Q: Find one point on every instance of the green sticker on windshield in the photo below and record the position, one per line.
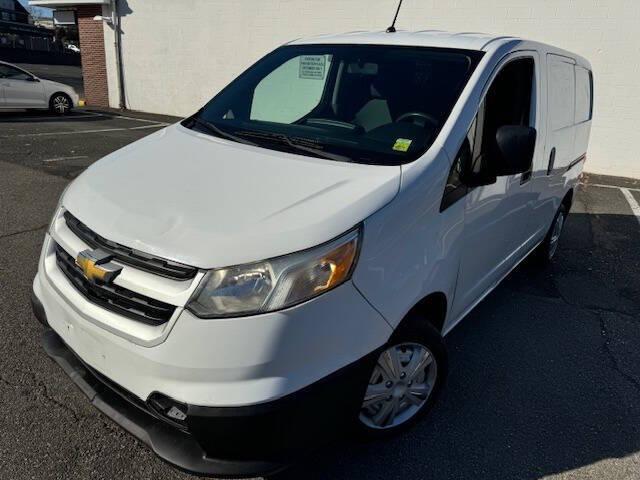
(402, 145)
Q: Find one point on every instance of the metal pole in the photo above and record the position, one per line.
(118, 44)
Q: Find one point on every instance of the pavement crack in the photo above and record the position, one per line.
(612, 358)
(26, 230)
(588, 308)
(55, 401)
(44, 391)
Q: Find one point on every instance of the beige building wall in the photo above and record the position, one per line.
(178, 53)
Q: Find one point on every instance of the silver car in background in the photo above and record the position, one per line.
(21, 89)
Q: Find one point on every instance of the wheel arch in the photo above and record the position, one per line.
(567, 201)
(433, 308)
(58, 92)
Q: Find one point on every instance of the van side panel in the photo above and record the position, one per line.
(548, 183)
(561, 109)
(569, 109)
(583, 111)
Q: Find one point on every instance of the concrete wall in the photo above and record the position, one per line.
(179, 53)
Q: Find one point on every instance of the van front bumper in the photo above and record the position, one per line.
(230, 362)
(224, 441)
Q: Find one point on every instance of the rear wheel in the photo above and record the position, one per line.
(60, 104)
(548, 248)
(405, 381)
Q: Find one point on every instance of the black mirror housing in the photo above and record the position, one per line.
(516, 145)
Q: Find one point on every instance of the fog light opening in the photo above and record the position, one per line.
(168, 409)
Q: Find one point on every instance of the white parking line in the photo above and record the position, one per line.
(124, 117)
(609, 186)
(633, 203)
(138, 119)
(81, 115)
(635, 208)
(78, 132)
(141, 127)
(58, 159)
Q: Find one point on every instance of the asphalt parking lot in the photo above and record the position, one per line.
(544, 376)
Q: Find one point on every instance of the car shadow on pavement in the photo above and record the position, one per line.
(544, 375)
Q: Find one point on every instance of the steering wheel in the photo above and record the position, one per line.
(419, 118)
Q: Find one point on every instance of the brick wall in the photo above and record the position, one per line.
(94, 69)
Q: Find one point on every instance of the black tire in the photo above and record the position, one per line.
(60, 104)
(415, 329)
(549, 246)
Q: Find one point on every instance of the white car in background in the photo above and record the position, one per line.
(73, 48)
(22, 89)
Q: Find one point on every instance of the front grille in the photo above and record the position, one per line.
(113, 297)
(129, 256)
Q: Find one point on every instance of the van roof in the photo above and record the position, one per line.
(422, 38)
(438, 39)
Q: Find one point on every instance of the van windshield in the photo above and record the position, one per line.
(374, 104)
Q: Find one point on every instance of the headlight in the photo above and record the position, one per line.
(58, 211)
(277, 283)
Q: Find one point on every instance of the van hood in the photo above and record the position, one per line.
(210, 202)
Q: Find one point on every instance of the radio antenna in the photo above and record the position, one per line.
(392, 28)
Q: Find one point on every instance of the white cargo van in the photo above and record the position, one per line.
(289, 258)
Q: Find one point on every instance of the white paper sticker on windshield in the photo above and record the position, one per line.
(312, 66)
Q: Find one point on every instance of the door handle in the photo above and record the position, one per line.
(552, 160)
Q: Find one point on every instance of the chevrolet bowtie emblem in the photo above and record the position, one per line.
(97, 265)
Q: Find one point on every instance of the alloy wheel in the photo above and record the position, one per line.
(61, 104)
(554, 240)
(400, 385)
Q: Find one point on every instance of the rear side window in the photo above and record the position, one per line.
(584, 95)
(12, 73)
(561, 92)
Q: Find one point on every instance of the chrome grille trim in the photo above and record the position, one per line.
(113, 297)
(130, 256)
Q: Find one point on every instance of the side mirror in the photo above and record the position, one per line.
(516, 145)
(33, 79)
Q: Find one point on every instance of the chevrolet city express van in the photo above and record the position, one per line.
(284, 263)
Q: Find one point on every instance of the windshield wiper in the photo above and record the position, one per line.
(283, 139)
(212, 128)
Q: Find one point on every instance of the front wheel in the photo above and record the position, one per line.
(405, 381)
(60, 104)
